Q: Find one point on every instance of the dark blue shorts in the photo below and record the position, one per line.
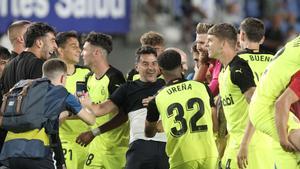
(147, 154)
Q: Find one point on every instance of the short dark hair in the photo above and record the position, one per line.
(4, 53)
(100, 40)
(224, 31)
(14, 28)
(169, 60)
(62, 37)
(152, 38)
(52, 67)
(202, 28)
(144, 50)
(36, 30)
(254, 28)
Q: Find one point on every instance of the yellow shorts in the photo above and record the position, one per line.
(263, 119)
(97, 159)
(205, 163)
(284, 159)
(259, 147)
(75, 154)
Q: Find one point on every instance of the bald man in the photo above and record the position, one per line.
(15, 33)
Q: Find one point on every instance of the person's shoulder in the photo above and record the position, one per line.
(131, 74)
(11, 63)
(81, 67)
(160, 82)
(238, 62)
(29, 58)
(26, 55)
(81, 70)
(113, 72)
(245, 51)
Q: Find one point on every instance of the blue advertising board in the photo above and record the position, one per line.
(109, 16)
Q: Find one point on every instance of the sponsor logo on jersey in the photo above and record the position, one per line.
(227, 100)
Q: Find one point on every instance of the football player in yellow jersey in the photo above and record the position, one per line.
(133, 97)
(263, 111)
(185, 111)
(69, 51)
(107, 150)
(236, 83)
(251, 36)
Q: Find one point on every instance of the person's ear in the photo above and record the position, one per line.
(39, 43)
(62, 78)
(98, 51)
(59, 50)
(262, 40)
(20, 39)
(242, 36)
(222, 44)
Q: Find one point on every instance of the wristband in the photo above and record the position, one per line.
(96, 131)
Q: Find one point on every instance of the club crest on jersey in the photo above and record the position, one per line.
(103, 91)
(227, 101)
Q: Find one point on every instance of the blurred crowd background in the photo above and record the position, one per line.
(177, 19)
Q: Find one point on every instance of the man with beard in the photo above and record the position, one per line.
(206, 64)
(153, 39)
(39, 46)
(132, 97)
(107, 150)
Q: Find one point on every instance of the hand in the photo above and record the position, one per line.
(242, 157)
(287, 145)
(203, 57)
(85, 100)
(146, 101)
(85, 138)
(79, 94)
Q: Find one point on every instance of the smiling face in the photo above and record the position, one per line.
(214, 46)
(147, 67)
(70, 51)
(87, 54)
(201, 42)
(49, 46)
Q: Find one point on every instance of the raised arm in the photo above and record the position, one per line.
(99, 109)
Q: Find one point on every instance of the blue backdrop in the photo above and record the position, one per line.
(109, 16)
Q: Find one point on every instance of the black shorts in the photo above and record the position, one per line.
(147, 154)
(32, 163)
